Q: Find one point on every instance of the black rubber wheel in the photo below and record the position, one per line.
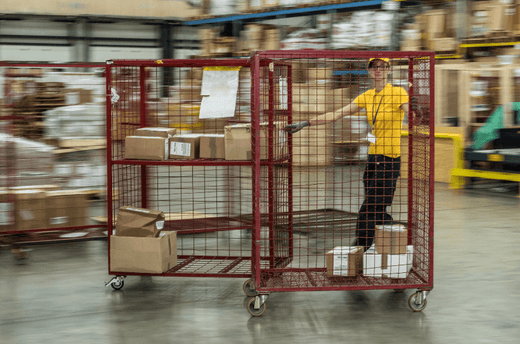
(414, 306)
(118, 284)
(249, 290)
(255, 312)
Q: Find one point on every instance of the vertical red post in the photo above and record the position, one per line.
(108, 90)
(270, 168)
(142, 112)
(255, 153)
(411, 193)
(432, 164)
(290, 160)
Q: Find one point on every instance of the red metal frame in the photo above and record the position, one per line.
(38, 235)
(237, 263)
(301, 277)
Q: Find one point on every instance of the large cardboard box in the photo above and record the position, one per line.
(159, 132)
(143, 255)
(146, 148)
(212, 146)
(443, 44)
(376, 264)
(185, 146)
(344, 261)
(237, 139)
(391, 239)
(139, 222)
(66, 209)
(30, 209)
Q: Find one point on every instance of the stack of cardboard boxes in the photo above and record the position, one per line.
(140, 245)
(390, 256)
(235, 144)
(42, 207)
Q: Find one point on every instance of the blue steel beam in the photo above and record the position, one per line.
(293, 12)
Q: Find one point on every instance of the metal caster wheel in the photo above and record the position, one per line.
(117, 282)
(417, 302)
(255, 312)
(249, 289)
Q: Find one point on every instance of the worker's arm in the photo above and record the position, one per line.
(325, 118)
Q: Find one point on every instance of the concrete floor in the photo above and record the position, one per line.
(59, 296)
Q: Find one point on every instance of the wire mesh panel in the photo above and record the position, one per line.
(359, 174)
(52, 151)
(206, 182)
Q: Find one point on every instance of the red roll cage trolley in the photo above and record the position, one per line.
(278, 217)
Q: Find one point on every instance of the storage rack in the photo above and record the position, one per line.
(212, 204)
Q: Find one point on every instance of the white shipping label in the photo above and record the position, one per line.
(180, 148)
(5, 213)
(341, 264)
(59, 220)
(159, 224)
(26, 215)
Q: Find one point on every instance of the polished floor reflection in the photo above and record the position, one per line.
(58, 295)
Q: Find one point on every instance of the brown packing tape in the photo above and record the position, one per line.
(384, 261)
(213, 146)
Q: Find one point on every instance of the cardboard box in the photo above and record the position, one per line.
(376, 264)
(212, 146)
(391, 239)
(139, 222)
(237, 140)
(143, 255)
(78, 96)
(185, 146)
(30, 212)
(146, 148)
(443, 44)
(66, 209)
(158, 132)
(344, 261)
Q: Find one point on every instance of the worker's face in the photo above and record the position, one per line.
(379, 70)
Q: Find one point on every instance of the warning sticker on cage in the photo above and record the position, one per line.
(180, 148)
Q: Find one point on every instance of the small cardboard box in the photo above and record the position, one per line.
(376, 264)
(158, 132)
(212, 146)
(185, 146)
(145, 255)
(139, 222)
(66, 209)
(237, 140)
(30, 212)
(345, 261)
(146, 148)
(391, 239)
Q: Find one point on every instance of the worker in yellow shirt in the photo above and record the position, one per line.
(386, 106)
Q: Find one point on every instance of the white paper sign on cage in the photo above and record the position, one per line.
(219, 91)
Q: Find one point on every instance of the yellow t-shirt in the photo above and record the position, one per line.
(389, 119)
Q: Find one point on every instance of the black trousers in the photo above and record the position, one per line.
(379, 180)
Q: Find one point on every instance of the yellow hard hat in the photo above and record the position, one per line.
(387, 60)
